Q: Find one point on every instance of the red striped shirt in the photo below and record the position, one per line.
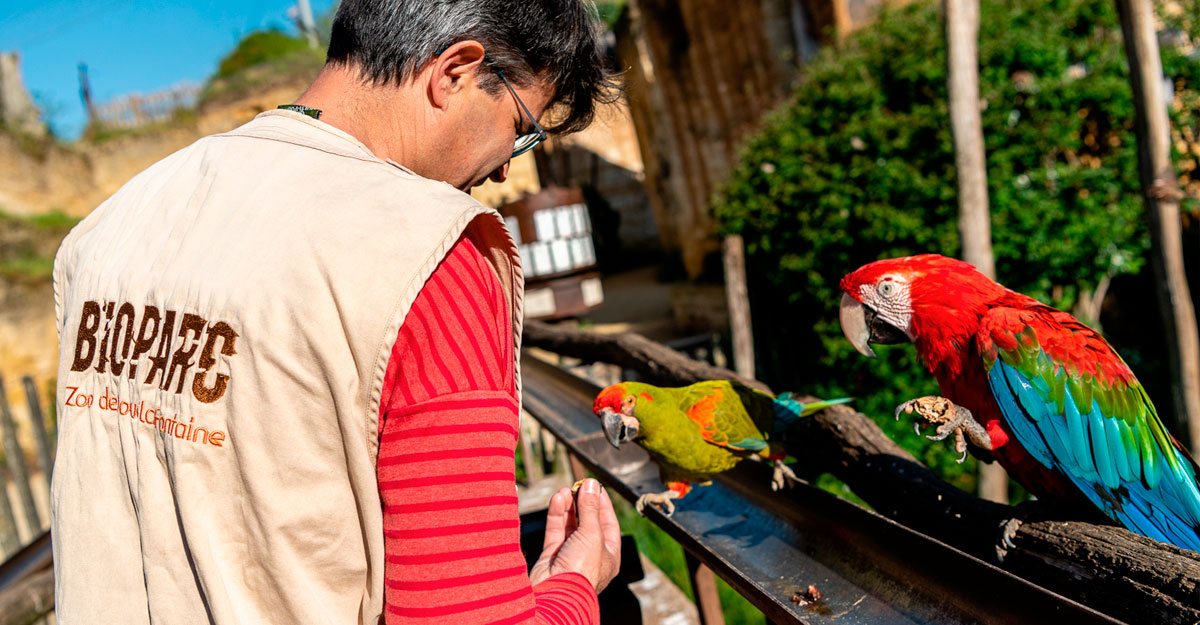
(447, 432)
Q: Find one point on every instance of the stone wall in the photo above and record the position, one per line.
(17, 110)
(41, 176)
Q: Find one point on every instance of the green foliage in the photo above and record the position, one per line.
(28, 244)
(26, 266)
(37, 146)
(859, 166)
(54, 221)
(1181, 61)
(262, 58)
(609, 11)
(259, 47)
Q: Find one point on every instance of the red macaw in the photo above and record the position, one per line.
(1048, 396)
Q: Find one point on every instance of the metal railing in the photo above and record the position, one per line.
(771, 546)
(768, 546)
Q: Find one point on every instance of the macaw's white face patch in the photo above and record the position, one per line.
(891, 299)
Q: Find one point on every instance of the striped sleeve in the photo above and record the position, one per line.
(448, 431)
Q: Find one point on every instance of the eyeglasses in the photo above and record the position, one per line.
(527, 141)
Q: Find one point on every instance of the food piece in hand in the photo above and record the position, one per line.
(575, 497)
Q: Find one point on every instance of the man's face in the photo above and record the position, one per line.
(482, 132)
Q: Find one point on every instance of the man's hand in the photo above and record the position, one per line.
(582, 536)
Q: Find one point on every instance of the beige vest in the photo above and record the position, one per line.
(225, 320)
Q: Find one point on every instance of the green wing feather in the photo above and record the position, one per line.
(1074, 406)
(717, 408)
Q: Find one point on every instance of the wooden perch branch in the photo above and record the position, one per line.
(1127, 576)
(630, 351)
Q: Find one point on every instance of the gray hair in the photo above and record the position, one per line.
(552, 41)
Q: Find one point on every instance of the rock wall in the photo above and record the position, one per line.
(40, 176)
(17, 110)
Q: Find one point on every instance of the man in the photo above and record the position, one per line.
(288, 380)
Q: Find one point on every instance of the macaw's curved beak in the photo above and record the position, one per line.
(862, 326)
(618, 428)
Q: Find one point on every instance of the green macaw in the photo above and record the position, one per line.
(695, 432)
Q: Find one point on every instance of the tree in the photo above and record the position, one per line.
(860, 165)
(966, 126)
(1160, 192)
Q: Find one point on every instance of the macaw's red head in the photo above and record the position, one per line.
(615, 405)
(916, 298)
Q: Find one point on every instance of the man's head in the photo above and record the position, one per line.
(550, 51)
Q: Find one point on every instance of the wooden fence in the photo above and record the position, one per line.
(134, 109)
(25, 483)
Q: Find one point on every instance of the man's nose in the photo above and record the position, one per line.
(500, 173)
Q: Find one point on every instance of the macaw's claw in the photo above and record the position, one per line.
(783, 476)
(662, 500)
(1008, 530)
(949, 419)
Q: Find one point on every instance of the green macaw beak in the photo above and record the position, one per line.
(862, 326)
(618, 428)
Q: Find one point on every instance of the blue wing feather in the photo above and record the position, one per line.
(1112, 436)
(1035, 410)
(1104, 457)
(749, 443)
(1100, 455)
(1077, 436)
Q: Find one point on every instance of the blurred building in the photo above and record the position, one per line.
(553, 233)
(603, 161)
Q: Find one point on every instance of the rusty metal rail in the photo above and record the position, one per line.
(769, 546)
(27, 583)
(34, 557)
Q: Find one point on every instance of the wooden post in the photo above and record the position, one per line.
(85, 93)
(1160, 191)
(553, 457)
(10, 542)
(138, 106)
(308, 25)
(16, 464)
(40, 435)
(578, 471)
(704, 588)
(738, 299)
(533, 465)
(841, 18)
(974, 221)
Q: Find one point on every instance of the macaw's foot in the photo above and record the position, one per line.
(783, 476)
(1008, 531)
(949, 419)
(662, 500)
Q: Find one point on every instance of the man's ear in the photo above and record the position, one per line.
(452, 69)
